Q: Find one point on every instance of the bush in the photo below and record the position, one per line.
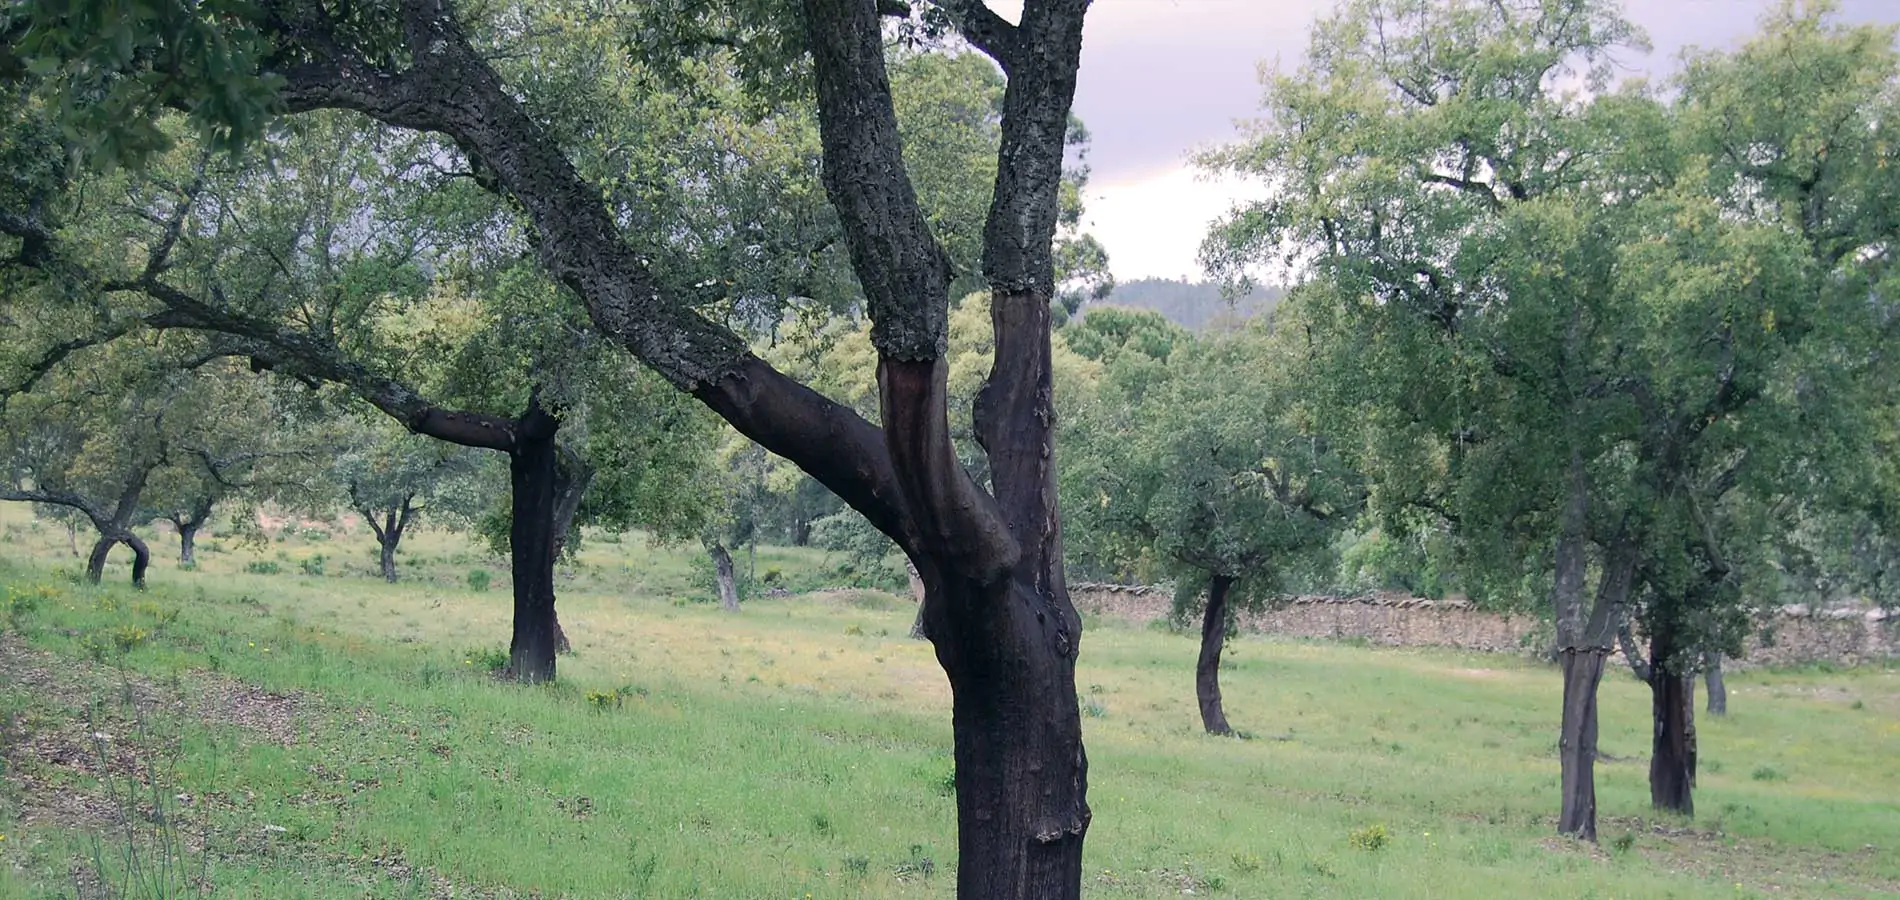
(487, 659)
(1370, 838)
(478, 580)
(262, 567)
(312, 565)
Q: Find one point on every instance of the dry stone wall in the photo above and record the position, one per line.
(1791, 635)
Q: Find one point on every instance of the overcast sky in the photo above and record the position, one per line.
(1161, 78)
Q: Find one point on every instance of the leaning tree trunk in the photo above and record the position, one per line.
(96, 562)
(1207, 669)
(1718, 691)
(1673, 748)
(722, 573)
(534, 468)
(1577, 741)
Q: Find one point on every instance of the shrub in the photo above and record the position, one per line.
(312, 565)
(487, 659)
(478, 580)
(1767, 772)
(262, 567)
(1370, 838)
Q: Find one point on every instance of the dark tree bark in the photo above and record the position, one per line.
(1673, 748)
(1718, 692)
(534, 471)
(1585, 639)
(998, 611)
(723, 576)
(188, 542)
(141, 556)
(1577, 743)
(1207, 669)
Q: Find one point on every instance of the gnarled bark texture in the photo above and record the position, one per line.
(1207, 668)
(998, 610)
(141, 556)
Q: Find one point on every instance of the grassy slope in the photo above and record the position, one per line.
(802, 748)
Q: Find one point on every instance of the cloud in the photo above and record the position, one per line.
(1152, 226)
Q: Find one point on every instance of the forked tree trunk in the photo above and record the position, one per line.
(1672, 706)
(141, 556)
(1718, 691)
(722, 573)
(1577, 741)
(1207, 669)
(534, 468)
(1632, 654)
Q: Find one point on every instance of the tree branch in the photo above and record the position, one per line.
(984, 29)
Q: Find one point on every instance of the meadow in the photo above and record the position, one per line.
(314, 732)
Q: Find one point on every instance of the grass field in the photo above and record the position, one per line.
(333, 736)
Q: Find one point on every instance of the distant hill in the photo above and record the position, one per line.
(1191, 304)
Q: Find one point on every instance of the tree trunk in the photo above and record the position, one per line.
(188, 543)
(1718, 692)
(1577, 741)
(722, 573)
(96, 563)
(1207, 670)
(1021, 772)
(388, 559)
(801, 532)
(1672, 706)
(534, 470)
(141, 558)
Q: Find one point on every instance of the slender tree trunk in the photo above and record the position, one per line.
(1718, 692)
(722, 573)
(1673, 749)
(72, 537)
(534, 470)
(1577, 743)
(188, 542)
(1207, 669)
(388, 559)
(801, 532)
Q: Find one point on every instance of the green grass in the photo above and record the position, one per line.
(803, 747)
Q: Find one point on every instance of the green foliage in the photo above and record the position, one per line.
(312, 565)
(1371, 838)
(263, 567)
(478, 580)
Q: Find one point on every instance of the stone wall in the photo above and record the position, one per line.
(1790, 636)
